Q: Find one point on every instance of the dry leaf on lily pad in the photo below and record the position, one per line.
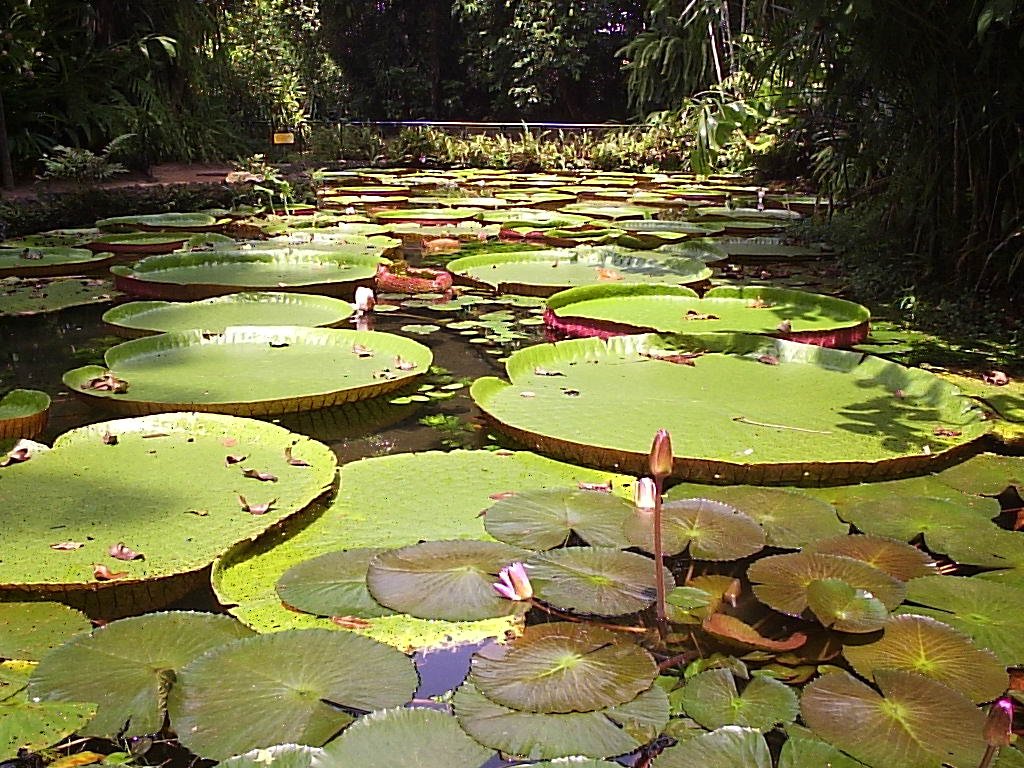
(733, 631)
(256, 474)
(121, 551)
(255, 509)
(101, 572)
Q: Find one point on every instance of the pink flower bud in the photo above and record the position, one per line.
(645, 493)
(660, 459)
(999, 725)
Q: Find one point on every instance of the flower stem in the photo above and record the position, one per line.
(659, 564)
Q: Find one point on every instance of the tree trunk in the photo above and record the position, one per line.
(6, 170)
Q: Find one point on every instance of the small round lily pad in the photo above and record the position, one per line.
(29, 630)
(597, 580)
(711, 530)
(546, 519)
(450, 580)
(333, 584)
(711, 698)
(563, 667)
(293, 686)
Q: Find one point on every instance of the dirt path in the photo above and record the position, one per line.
(165, 173)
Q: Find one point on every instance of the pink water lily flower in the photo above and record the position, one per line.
(514, 584)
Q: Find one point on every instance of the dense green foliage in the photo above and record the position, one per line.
(910, 110)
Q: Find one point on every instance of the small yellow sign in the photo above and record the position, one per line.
(284, 137)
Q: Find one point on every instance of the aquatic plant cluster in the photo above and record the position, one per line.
(710, 529)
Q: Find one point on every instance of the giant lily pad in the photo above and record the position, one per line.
(542, 273)
(139, 318)
(427, 215)
(138, 243)
(915, 723)
(599, 310)
(964, 533)
(202, 274)
(781, 581)
(604, 733)
(161, 222)
(790, 519)
(988, 612)
(727, 747)
(710, 530)
(598, 580)
(133, 481)
(387, 502)
(29, 630)
(250, 370)
(296, 686)
(563, 667)
(50, 261)
(406, 738)
(614, 212)
(23, 413)
(332, 585)
(22, 297)
(928, 647)
(546, 519)
(854, 427)
(534, 218)
(448, 580)
(129, 666)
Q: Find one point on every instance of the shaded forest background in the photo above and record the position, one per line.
(914, 111)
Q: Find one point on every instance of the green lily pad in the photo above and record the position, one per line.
(809, 752)
(14, 675)
(29, 630)
(542, 273)
(534, 218)
(295, 686)
(839, 606)
(563, 667)
(141, 317)
(138, 242)
(159, 222)
(781, 581)
(278, 756)
(536, 736)
(712, 700)
(899, 560)
(134, 481)
(632, 308)
(332, 585)
(546, 519)
(614, 212)
(373, 509)
(450, 580)
(988, 612)
(710, 530)
(928, 647)
(745, 247)
(915, 723)
(406, 738)
(964, 533)
(790, 519)
(128, 667)
(853, 428)
(250, 370)
(420, 329)
(50, 261)
(986, 475)
(202, 274)
(597, 580)
(428, 215)
(23, 413)
(34, 296)
(33, 725)
(727, 747)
